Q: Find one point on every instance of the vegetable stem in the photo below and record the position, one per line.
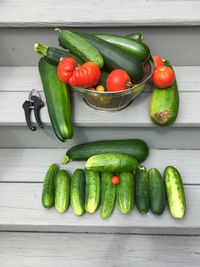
(41, 49)
(57, 29)
(65, 159)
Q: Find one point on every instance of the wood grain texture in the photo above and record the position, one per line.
(98, 13)
(21, 210)
(77, 250)
(30, 165)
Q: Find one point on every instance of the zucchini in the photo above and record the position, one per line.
(53, 55)
(92, 191)
(157, 191)
(164, 103)
(58, 101)
(135, 36)
(125, 192)
(77, 197)
(111, 163)
(115, 57)
(80, 47)
(48, 190)
(133, 147)
(107, 194)
(175, 192)
(142, 190)
(62, 191)
(137, 48)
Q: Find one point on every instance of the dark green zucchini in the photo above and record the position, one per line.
(58, 101)
(142, 189)
(53, 55)
(49, 187)
(115, 57)
(107, 194)
(133, 147)
(137, 48)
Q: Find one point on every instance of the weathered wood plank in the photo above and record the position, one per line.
(21, 210)
(95, 13)
(22, 79)
(60, 249)
(16, 165)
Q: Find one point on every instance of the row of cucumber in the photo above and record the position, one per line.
(87, 189)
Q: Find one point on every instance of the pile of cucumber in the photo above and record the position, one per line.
(92, 187)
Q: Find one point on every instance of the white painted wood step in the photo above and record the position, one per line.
(78, 250)
(95, 13)
(16, 82)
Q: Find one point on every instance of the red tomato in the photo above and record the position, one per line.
(115, 180)
(158, 61)
(163, 77)
(86, 75)
(66, 68)
(118, 80)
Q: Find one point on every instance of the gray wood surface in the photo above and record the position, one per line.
(98, 13)
(30, 165)
(89, 250)
(21, 210)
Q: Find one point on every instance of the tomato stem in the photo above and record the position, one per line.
(128, 84)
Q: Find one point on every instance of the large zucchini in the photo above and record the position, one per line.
(58, 101)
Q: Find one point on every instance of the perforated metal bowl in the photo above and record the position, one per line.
(114, 101)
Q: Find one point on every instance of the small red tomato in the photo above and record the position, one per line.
(86, 75)
(115, 180)
(158, 61)
(66, 68)
(163, 77)
(118, 80)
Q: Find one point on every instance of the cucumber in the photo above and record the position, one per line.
(125, 192)
(58, 101)
(62, 191)
(142, 190)
(157, 191)
(164, 103)
(115, 57)
(77, 196)
(111, 163)
(48, 190)
(53, 55)
(175, 192)
(133, 147)
(137, 48)
(107, 194)
(80, 47)
(135, 36)
(92, 191)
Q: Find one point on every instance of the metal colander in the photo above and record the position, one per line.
(114, 101)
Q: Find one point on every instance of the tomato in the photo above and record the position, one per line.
(158, 61)
(66, 68)
(163, 77)
(118, 80)
(84, 76)
(100, 88)
(115, 180)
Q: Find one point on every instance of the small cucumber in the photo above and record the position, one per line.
(164, 103)
(92, 191)
(111, 163)
(80, 47)
(136, 48)
(77, 196)
(142, 190)
(135, 36)
(49, 187)
(53, 55)
(157, 191)
(62, 191)
(107, 194)
(125, 192)
(175, 192)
